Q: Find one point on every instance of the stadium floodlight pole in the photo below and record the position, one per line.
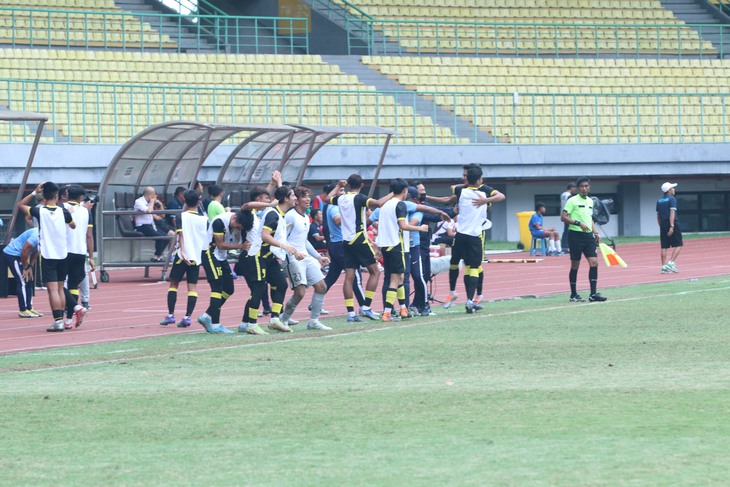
(380, 165)
(28, 165)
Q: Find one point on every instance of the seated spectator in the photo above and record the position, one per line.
(160, 220)
(176, 203)
(538, 230)
(144, 222)
(315, 236)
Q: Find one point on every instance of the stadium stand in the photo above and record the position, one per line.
(575, 100)
(541, 26)
(107, 96)
(75, 23)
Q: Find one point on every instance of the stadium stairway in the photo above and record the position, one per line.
(186, 39)
(352, 65)
(338, 16)
(698, 12)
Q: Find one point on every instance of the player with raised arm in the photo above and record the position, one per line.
(358, 251)
(269, 248)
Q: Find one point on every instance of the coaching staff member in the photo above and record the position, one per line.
(670, 234)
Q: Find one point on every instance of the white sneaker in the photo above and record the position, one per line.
(672, 266)
(324, 312)
(317, 325)
(276, 324)
(291, 322)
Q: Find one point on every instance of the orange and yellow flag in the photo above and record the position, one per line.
(610, 257)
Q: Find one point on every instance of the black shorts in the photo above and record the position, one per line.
(180, 269)
(75, 269)
(667, 241)
(358, 253)
(581, 243)
(215, 270)
(263, 268)
(394, 260)
(467, 248)
(53, 270)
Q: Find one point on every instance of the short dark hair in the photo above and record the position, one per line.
(50, 190)
(314, 212)
(473, 174)
(416, 183)
(191, 198)
(214, 190)
(329, 187)
(354, 181)
(470, 165)
(282, 193)
(581, 180)
(398, 185)
(245, 218)
(301, 192)
(257, 191)
(76, 191)
(571, 185)
(539, 205)
(180, 190)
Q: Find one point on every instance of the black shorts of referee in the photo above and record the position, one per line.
(673, 240)
(581, 243)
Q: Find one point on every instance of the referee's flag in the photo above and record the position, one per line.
(610, 257)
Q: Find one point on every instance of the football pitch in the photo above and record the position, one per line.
(633, 391)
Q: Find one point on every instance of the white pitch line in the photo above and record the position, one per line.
(354, 332)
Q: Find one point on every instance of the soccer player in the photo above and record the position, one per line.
(227, 228)
(358, 251)
(468, 243)
(192, 240)
(307, 271)
(583, 238)
(52, 222)
(393, 221)
(20, 254)
(269, 247)
(80, 243)
(492, 196)
(336, 250)
(414, 209)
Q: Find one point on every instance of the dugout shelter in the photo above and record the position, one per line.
(172, 154)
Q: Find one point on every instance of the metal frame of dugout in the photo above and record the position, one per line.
(171, 154)
(27, 118)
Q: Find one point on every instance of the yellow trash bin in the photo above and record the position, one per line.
(525, 236)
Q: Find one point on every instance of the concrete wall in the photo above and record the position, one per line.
(634, 172)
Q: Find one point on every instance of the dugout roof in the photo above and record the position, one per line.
(252, 162)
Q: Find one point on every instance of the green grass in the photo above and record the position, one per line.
(534, 392)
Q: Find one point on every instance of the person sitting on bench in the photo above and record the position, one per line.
(144, 222)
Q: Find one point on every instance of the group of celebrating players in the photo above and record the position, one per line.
(271, 233)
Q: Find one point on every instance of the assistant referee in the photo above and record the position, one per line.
(583, 239)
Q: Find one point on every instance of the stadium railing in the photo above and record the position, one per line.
(398, 37)
(112, 113)
(108, 29)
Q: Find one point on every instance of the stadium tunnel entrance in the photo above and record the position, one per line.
(171, 154)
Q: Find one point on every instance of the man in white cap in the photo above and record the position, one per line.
(670, 234)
